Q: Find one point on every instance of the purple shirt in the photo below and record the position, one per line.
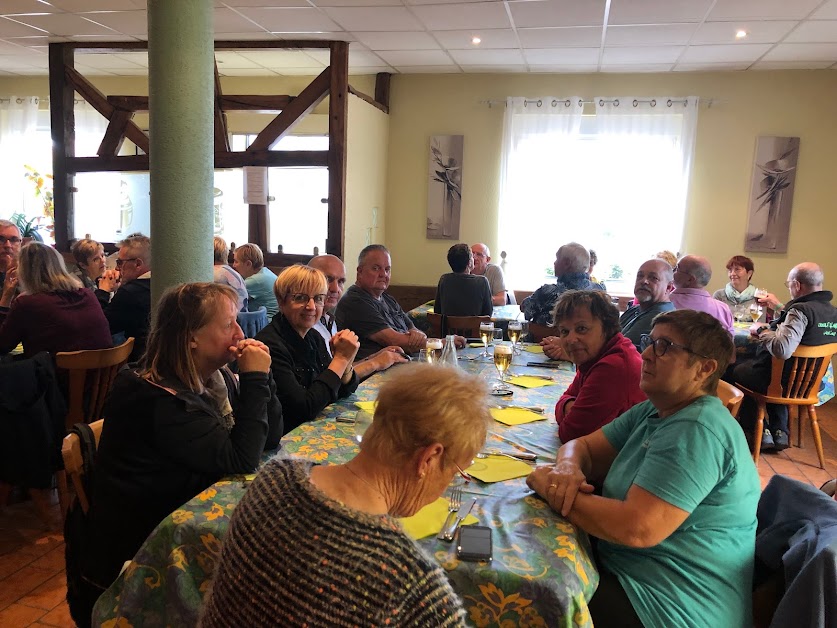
(702, 301)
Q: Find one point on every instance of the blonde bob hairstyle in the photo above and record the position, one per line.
(422, 404)
(220, 250)
(299, 279)
(181, 312)
(41, 269)
(251, 253)
(84, 249)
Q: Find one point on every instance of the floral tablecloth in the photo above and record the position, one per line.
(501, 314)
(746, 345)
(542, 573)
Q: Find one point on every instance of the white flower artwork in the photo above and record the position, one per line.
(444, 186)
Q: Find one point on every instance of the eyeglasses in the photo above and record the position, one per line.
(119, 262)
(302, 299)
(661, 346)
(12, 240)
(788, 283)
(677, 269)
(462, 473)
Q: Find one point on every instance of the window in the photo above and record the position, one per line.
(614, 180)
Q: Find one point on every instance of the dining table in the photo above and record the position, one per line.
(500, 314)
(542, 572)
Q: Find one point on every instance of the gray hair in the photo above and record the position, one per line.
(138, 246)
(5, 224)
(41, 269)
(577, 255)
(809, 275)
(367, 250)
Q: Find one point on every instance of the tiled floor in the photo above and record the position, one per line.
(32, 584)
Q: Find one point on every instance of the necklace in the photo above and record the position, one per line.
(369, 484)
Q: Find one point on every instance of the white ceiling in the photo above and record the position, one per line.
(427, 36)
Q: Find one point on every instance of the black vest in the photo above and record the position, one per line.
(821, 315)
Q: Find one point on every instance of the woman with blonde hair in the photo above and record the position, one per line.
(307, 377)
(90, 259)
(176, 425)
(329, 549)
(53, 312)
(225, 274)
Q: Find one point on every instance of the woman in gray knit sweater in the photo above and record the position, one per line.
(321, 546)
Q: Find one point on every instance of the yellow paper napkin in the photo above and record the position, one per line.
(430, 519)
(498, 469)
(534, 349)
(515, 416)
(476, 345)
(366, 406)
(527, 381)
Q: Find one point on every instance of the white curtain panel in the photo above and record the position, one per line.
(90, 129)
(18, 122)
(536, 135)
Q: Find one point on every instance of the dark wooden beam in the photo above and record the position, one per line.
(245, 102)
(281, 125)
(283, 260)
(222, 138)
(273, 44)
(258, 225)
(100, 103)
(338, 114)
(382, 80)
(63, 130)
(273, 158)
(368, 99)
(104, 47)
(115, 134)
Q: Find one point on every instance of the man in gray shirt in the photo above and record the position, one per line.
(492, 272)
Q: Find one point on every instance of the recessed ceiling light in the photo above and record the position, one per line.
(475, 40)
(740, 34)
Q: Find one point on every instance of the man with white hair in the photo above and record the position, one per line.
(572, 262)
(10, 242)
(492, 272)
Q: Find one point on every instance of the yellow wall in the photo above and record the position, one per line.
(747, 104)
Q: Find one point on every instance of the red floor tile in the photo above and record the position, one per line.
(59, 616)
(48, 595)
(20, 583)
(19, 616)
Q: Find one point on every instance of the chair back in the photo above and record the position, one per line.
(468, 326)
(806, 368)
(74, 461)
(90, 376)
(730, 396)
(252, 323)
(435, 321)
(539, 332)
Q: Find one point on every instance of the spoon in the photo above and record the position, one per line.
(521, 456)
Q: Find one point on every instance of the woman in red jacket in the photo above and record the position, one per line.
(608, 365)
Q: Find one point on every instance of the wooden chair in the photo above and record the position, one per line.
(807, 367)
(539, 332)
(435, 321)
(74, 464)
(730, 396)
(90, 376)
(468, 326)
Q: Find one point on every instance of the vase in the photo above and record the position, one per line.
(447, 212)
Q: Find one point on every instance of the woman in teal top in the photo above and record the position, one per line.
(676, 521)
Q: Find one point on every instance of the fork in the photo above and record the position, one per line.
(453, 507)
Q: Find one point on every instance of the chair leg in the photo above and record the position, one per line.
(798, 426)
(63, 493)
(815, 429)
(5, 491)
(759, 430)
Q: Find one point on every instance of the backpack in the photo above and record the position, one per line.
(81, 592)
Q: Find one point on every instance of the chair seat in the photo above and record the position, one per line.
(784, 401)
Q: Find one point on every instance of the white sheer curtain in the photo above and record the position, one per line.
(537, 137)
(18, 122)
(612, 177)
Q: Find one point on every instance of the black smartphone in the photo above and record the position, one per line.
(474, 543)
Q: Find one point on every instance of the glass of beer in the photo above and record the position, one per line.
(502, 361)
(515, 331)
(432, 351)
(486, 335)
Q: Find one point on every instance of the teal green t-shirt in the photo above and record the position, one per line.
(697, 460)
(260, 290)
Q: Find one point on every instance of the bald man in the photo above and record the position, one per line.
(492, 272)
(808, 319)
(691, 275)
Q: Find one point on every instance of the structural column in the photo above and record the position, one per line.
(181, 84)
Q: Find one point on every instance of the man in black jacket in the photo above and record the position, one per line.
(809, 319)
(125, 293)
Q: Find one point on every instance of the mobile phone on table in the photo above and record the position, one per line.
(474, 543)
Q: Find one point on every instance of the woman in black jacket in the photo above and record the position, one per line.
(178, 424)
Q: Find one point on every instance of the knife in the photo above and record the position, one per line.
(464, 511)
(536, 409)
(520, 455)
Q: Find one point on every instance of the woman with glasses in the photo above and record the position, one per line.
(676, 520)
(608, 366)
(307, 377)
(320, 545)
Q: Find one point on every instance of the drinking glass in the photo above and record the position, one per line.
(755, 311)
(515, 334)
(502, 361)
(486, 335)
(432, 351)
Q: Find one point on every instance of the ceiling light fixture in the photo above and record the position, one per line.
(475, 40)
(740, 34)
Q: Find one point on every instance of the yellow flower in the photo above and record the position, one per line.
(211, 542)
(178, 557)
(481, 615)
(181, 516)
(319, 456)
(216, 512)
(207, 494)
(535, 502)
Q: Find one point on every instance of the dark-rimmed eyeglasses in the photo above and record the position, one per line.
(661, 346)
(12, 240)
(301, 298)
(119, 262)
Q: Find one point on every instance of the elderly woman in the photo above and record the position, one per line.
(739, 291)
(329, 548)
(90, 259)
(307, 377)
(176, 425)
(53, 312)
(677, 515)
(608, 365)
(225, 274)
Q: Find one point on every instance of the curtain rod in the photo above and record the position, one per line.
(20, 101)
(566, 102)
